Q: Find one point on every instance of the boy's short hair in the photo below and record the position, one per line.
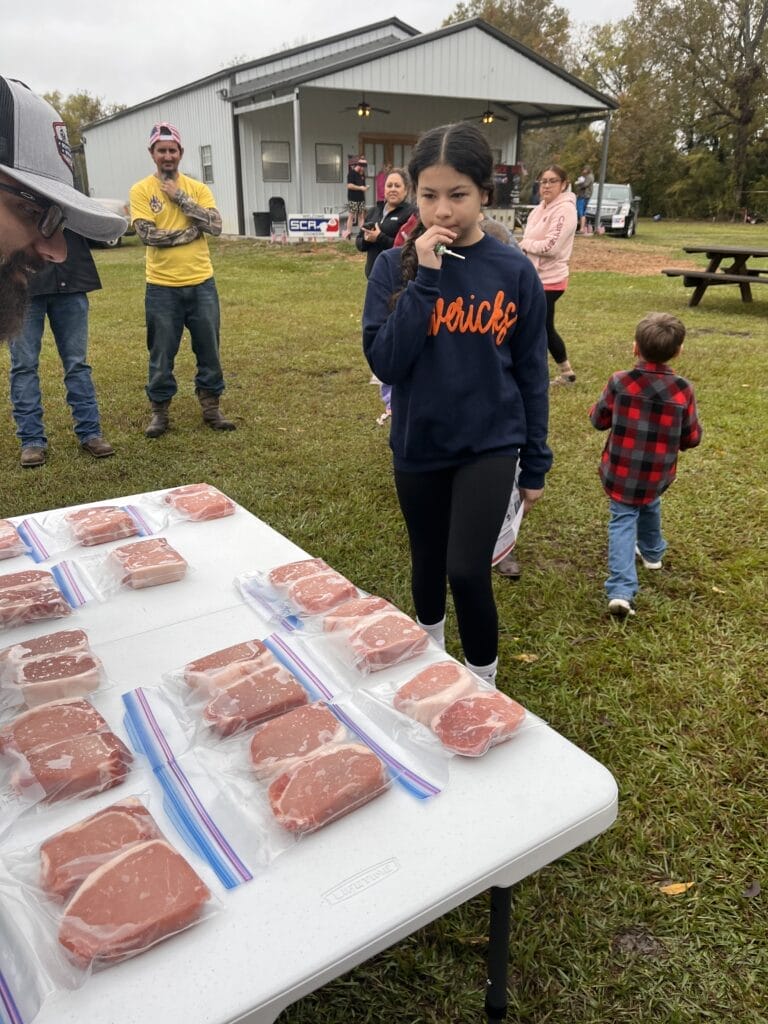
(659, 337)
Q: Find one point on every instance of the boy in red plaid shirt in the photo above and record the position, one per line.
(651, 414)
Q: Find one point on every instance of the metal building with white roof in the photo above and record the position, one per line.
(286, 124)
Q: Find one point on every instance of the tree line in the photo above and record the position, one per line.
(690, 79)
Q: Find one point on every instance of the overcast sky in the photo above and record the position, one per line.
(126, 53)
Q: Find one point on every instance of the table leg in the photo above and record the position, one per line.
(701, 287)
(498, 954)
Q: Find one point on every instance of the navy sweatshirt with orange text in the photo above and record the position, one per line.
(466, 352)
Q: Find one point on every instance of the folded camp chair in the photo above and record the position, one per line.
(279, 219)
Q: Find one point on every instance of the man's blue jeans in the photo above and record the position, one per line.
(631, 526)
(169, 311)
(68, 317)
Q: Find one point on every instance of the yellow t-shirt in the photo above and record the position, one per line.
(175, 265)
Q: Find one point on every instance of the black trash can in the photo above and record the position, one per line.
(262, 225)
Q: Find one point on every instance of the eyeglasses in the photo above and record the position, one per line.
(51, 217)
(549, 181)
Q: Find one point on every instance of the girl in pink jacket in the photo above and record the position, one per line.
(548, 241)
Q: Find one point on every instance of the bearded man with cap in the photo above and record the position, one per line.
(172, 214)
(37, 198)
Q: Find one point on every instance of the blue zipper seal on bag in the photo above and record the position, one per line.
(182, 803)
(8, 1004)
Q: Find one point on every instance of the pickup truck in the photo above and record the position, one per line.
(618, 210)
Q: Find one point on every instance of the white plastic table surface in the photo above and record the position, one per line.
(352, 889)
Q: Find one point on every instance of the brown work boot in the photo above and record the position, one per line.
(159, 422)
(32, 456)
(97, 447)
(211, 412)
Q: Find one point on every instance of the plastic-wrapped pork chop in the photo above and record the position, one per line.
(100, 524)
(58, 676)
(348, 613)
(200, 502)
(137, 898)
(11, 543)
(216, 670)
(282, 742)
(473, 724)
(68, 857)
(49, 723)
(76, 766)
(30, 595)
(64, 641)
(318, 593)
(385, 639)
(284, 575)
(322, 788)
(433, 689)
(148, 563)
(254, 699)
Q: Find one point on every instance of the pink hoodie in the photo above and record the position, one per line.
(548, 238)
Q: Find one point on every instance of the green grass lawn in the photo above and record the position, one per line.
(672, 702)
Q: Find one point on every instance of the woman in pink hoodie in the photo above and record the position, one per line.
(548, 241)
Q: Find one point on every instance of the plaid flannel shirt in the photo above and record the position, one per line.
(651, 413)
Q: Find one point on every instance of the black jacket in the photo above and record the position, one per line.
(389, 225)
(76, 274)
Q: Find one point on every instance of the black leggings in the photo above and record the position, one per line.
(555, 343)
(453, 518)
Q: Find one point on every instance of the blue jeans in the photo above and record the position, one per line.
(631, 526)
(169, 311)
(68, 317)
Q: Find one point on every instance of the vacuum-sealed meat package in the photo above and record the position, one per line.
(54, 666)
(292, 592)
(30, 595)
(199, 502)
(100, 524)
(147, 563)
(11, 544)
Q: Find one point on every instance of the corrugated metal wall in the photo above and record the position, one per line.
(116, 151)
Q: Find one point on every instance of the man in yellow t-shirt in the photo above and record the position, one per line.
(172, 214)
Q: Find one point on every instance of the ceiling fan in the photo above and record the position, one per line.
(488, 116)
(363, 109)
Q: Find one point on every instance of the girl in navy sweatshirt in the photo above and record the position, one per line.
(463, 342)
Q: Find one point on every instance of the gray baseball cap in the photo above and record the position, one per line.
(35, 151)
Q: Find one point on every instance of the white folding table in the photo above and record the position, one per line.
(354, 888)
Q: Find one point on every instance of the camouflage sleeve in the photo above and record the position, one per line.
(207, 219)
(161, 239)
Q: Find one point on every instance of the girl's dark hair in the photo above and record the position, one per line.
(461, 146)
(555, 169)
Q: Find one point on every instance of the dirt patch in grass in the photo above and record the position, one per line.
(620, 256)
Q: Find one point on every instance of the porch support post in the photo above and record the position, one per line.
(297, 149)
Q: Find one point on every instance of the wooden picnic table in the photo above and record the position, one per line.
(738, 273)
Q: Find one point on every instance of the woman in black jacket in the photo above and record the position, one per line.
(383, 221)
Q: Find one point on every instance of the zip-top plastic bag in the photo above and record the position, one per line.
(464, 713)
(289, 593)
(54, 666)
(11, 543)
(61, 750)
(192, 503)
(50, 533)
(510, 527)
(144, 563)
(30, 595)
(101, 889)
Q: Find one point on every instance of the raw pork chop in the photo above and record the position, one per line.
(75, 766)
(200, 502)
(219, 669)
(320, 592)
(65, 641)
(386, 639)
(137, 898)
(254, 699)
(280, 743)
(57, 677)
(433, 689)
(322, 788)
(148, 563)
(50, 723)
(101, 524)
(473, 724)
(347, 613)
(69, 856)
(29, 595)
(10, 542)
(284, 575)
